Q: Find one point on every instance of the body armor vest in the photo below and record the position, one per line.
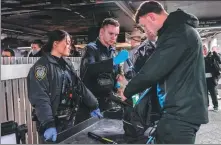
(68, 106)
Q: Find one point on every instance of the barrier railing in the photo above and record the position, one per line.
(15, 104)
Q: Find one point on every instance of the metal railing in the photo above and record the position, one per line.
(15, 104)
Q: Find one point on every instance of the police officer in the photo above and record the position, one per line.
(55, 90)
(102, 51)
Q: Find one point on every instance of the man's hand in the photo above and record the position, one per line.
(96, 113)
(50, 133)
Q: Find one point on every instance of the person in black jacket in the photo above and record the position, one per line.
(178, 69)
(136, 120)
(212, 75)
(102, 53)
(55, 90)
(144, 51)
(36, 49)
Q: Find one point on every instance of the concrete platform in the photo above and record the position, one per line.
(211, 133)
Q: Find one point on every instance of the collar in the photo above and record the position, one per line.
(102, 47)
(53, 59)
(164, 27)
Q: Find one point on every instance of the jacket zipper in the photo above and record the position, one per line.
(165, 89)
(165, 86)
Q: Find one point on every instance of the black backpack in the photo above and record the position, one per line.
(136, 120)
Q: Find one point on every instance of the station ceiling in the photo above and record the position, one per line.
(31, 19)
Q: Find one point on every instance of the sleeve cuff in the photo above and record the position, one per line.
(47, 125)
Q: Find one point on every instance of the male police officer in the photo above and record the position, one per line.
(98, 52)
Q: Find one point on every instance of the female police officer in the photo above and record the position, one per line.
(55, 90)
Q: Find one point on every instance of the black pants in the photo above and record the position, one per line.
(172, 131)
(212, 89)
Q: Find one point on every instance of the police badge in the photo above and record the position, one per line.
(40, 72)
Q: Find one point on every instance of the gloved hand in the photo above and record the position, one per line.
(96, 113)
(51, 133)
(121, 57)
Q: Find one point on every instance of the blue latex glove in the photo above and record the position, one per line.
(117, 85)
(96, 113)
(121, 57)
(51, 133)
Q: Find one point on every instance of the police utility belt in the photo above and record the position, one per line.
(69, 100)
(105, 82)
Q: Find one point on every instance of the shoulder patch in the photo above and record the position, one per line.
(40, 72)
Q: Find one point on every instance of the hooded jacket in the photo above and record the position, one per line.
(177, 66)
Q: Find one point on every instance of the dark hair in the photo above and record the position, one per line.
(10, 50)
(39, 42)
(56, 35)
(148, 7)
(110, 21)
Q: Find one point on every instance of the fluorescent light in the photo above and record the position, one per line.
(82, 16)
(20, 48)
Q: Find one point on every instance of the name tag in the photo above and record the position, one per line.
(104, 58)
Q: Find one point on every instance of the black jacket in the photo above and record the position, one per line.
(212, 65)
(143, 53)
(97, 53)
(39, 54)
(44, 88)
(177, 66)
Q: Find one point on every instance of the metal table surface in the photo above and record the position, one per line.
(109, 128)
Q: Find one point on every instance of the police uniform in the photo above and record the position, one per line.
(55, 91)
(96, 52)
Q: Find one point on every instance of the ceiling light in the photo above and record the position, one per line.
(82, 16)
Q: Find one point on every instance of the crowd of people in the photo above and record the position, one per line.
(37, 50)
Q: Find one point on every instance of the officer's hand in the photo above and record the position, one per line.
(51, 133)
(96, 113)
(121, 57)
